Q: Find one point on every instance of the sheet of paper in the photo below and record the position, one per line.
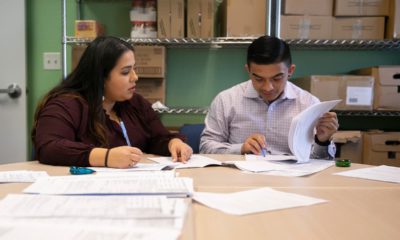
(269, 157)
(137, 167)
(301, 132)
(124, 184)
(26, 205)
(127, 223)
(253, 201)
(35, 231)
(380, 173)
(21, 176)
(283, 167)
(196, 161)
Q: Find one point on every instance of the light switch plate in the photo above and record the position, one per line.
(51, 61)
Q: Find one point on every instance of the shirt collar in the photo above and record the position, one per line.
(288, 92)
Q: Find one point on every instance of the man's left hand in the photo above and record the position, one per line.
(327, 125)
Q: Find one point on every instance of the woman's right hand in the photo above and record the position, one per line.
(124, 157)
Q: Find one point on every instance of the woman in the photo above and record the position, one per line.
(95, 118)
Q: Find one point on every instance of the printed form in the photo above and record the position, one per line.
(114, 184)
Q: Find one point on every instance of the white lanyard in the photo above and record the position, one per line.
(124, 132)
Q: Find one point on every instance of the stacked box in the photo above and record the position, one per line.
(349, 145)
(387, 86)
(88, 29)
(306, 27)
(359, 28)
(150, 67)
(360, 19)
(243, 18)
(200, 18)
(382, 148)
(393, 22)
(170, 19)
(307, 19)
(356, 92)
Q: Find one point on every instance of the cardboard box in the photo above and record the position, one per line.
(387, 86)
(356, 92)
(193, 18)
(88, 29)
(170, 19)
(207, 19)
(152, 89)
(200, 18)
(393, 22)
(382, 148)
(150, 61)
(361, 8)
(349, 145)
(177, 19)
(77, 52)
(243, 18)
(306, 27)
(308, 7)
(358, 28)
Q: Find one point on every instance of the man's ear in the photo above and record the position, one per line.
(246, 66)
(291, 70)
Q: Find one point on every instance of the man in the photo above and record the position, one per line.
(255, 115)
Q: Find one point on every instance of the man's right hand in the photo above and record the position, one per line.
(254, 144)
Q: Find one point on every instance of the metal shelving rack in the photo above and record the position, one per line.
(324, 44)
(273, 28)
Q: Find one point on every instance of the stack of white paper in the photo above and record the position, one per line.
(127, 184)
(21, 176)
(39, 231)
(258, 164)
(124, 207)
(195, 161)
(301, 133)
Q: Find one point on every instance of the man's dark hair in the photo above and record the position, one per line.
(269, 50)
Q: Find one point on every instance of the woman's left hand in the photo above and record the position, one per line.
(180, 151)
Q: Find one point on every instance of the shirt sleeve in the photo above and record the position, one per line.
(215, 137)
(58, 132)
(323, 152)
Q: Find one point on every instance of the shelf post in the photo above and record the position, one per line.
(275, 17)
(64, 38)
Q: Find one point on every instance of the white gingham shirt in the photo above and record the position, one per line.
(238, 112)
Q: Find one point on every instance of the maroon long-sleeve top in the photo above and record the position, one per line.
(61, 134)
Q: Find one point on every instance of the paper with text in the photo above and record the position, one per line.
(34, 231)
(21, 176)
(301, 132)
(196, 161)
(254, 201)
(283, 167)
(137, 167)
(126, 184)
(25, 205)
(380, 173)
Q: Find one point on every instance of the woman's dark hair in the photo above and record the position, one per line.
(86, 81)
(269, 50)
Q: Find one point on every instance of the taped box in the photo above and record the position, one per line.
(382, 148)
(349, 145)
